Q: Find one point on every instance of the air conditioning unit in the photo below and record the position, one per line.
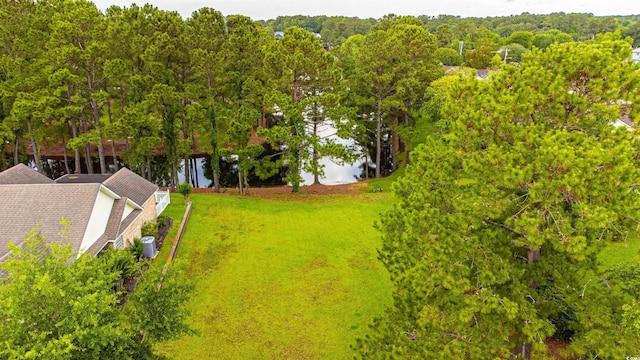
(149, 243)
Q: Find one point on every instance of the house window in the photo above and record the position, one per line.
(119, 244)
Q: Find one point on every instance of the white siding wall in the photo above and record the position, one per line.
(128, 208)
(98, 220)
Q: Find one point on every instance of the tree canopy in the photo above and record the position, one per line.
(493, 243)
(144, 88)
(57, 307)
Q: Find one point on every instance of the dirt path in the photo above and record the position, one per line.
(267, 192)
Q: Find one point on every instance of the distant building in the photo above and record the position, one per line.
(624, 121)
(635, 55)
(280, 35)
(480, 73)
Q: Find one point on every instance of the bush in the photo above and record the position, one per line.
(185, 189)
(137, 249)
(150, 228)
(162, 221)
(121, 262)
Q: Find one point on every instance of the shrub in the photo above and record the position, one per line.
(150, 228)
(185, 189)
(121, 262)
(162, 221)
(137, 249)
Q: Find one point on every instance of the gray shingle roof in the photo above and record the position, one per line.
(24, 206)
(82, 178)
(29, 199)
(129, 220)
(127, 183)
(22, 174)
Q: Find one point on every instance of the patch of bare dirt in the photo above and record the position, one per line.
(269, 192)
(163, 231)
(559, 349)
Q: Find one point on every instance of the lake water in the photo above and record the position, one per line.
(335, 174)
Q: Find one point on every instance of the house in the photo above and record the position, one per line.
(624, 121)
(480, 73)
(635, 55)
(99, 210)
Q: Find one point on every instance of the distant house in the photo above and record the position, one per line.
(624, 121)
(101, 210)
(635, 55)
(280, 34)
(480, 73)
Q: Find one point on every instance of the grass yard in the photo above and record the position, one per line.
(620, 253)
(175, 211)
(293, 277)
(289, 276)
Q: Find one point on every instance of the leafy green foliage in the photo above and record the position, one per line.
(119, 262)
(390, 69)
(305, 92)
(493, 244)
(58, 307)
(480, 57)
(512, 53)
(239, 133)
(185, 190)
(522, 38)
(137, 249)
(159, 305)
(74, 309)
(543, 41)
(123, 263)
(150, 228)
(448, 56)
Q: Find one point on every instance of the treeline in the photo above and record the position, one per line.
(144, 87)
(156, 84)
(580, 26)
(334, 30)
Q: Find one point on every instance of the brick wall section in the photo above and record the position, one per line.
(134, 230)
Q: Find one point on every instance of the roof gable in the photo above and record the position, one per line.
(22, 174)
(92, 204)
(128, 184)
(25, 206)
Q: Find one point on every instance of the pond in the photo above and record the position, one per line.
(335, 173)
(201, 176)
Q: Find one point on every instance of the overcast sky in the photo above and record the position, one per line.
(270, 9)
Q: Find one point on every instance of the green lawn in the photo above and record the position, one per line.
(295, 278)
(175, 211)
(620, 253)
(291, 278)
